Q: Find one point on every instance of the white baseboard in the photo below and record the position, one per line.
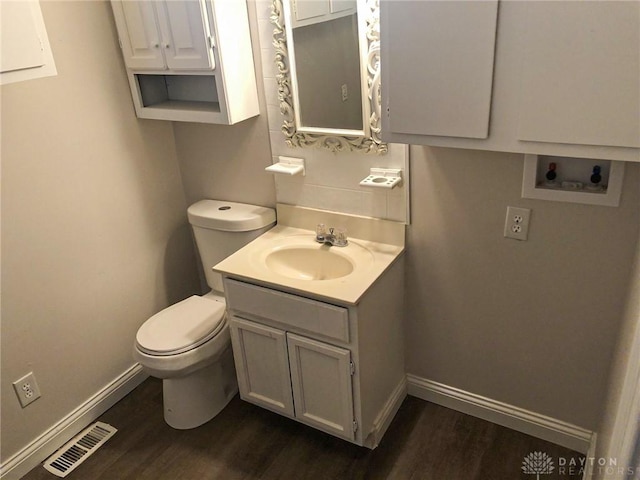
(532, 423)
(588, 472)
(51, 440)
(386, 415)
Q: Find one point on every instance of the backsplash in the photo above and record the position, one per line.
(332, 179)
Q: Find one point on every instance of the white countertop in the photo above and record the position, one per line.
(370, 260)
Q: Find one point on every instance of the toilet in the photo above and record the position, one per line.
(188, 344)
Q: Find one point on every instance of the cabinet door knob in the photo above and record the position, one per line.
(166, 45)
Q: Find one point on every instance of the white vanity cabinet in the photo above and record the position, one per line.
(188, 60)
(552, 78)
(295, 376)
(337, 368)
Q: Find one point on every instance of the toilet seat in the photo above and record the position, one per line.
(181, 327)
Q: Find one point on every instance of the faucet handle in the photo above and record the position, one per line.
(341, 236)
(321, 232)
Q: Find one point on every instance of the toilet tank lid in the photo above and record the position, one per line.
(230, 216)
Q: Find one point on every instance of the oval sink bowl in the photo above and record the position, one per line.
(309, 263)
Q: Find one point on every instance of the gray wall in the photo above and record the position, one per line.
(227, 162)
(531, 323)
(623, 383)
(94, 230)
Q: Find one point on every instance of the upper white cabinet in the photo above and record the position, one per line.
(188, 60)
(565, 78)
(580, 74)
(440, 72)
(310, 12)
(167, 34)
(140, 37)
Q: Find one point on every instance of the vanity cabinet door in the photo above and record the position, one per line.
(321, 381)
(140, 38)
(262, 365)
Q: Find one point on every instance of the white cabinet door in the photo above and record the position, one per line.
(306, 9)
(581, 73)
(167, 34)
(262, 366)
(338, 6)
(321, 382)
(438, 58)
(187, 41)
(310, 12)
(139, 35)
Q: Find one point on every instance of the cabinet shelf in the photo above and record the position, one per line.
(186, 105)
(177, 97)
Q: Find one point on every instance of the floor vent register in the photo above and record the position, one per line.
(78, 449)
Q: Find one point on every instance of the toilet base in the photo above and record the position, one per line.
(195, 399)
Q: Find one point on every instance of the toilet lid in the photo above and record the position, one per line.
(181, 327)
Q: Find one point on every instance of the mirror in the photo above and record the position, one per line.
(328, 63)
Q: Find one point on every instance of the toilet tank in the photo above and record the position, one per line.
(221, 228)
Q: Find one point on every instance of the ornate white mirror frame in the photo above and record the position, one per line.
(333, 139)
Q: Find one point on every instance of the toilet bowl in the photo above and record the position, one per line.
(188, 344)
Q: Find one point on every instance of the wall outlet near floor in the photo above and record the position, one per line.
(27, 389)
(516, 224)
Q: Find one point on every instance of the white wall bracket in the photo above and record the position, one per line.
(383, 178)
(288, 166)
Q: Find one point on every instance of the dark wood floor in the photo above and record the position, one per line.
(424, 442)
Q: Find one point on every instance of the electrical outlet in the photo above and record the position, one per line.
(516, 224)
(27, 389)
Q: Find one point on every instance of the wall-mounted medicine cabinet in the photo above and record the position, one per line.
(553, 78)
(576, 180)
(188, 60)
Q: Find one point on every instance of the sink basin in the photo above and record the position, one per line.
(290, 259)
(309, 262)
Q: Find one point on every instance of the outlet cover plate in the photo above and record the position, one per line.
(27, 389)
(516, 225)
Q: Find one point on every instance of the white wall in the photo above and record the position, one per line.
(94, 231)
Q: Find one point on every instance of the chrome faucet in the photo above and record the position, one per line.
(337, 239)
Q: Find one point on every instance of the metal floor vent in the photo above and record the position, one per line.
(78, 449)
